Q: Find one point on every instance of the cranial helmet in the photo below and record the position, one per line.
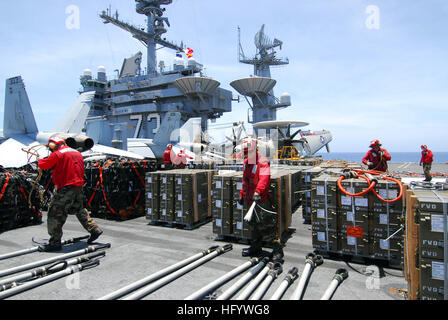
(249, 145)
(375, 143)
(55, 141)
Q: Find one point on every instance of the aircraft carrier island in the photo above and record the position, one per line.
(176, 230)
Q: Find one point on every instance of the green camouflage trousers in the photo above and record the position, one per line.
(263, 226)
(67, 200)
(427, 170)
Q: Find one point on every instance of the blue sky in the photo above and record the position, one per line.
(361, 84)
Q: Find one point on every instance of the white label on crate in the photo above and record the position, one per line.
(384, 218)
(321, 213)
(179, 180)
(321, 236)
(239, 225)
(149, 195)
(320, 190)
(149, 210)
(238, 206)
(384, 244)
(239, 186)
(361, 202)
(218, 185)
(346, 201)
(351, 216)
(438, 271)
(388, 194)
(437, 223)
(164, 196)
(163, 212)
(164, 179)
(149, 180)
(218, 204)
(179, 214)
(218, 222)
(199, 197)
(179, 197)
(350, 190)
(351, 241)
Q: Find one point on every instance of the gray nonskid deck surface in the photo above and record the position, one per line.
(139, 249)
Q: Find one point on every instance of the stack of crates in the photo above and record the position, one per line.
(431, 214)
(192, 190)
(167, 196)
(152, 189)
(180, 196)
(231, 220)
(308, 176)
(355, 219)
(222, 204)
(324, 213)
(387, 219)
(240, 227)
(360, 227)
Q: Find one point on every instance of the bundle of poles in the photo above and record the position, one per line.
(22, 278)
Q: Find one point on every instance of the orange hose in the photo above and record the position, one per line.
(400, 194)
(371, 185)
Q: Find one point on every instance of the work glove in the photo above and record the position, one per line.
(381, 153)
(369, 163)
(420, 163)
(240, 201)
(256, 197)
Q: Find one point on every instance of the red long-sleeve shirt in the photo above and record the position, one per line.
(181, 159)
(167, 155)
(374, 157)
(256, 178)
(67, 166)
(427, 156)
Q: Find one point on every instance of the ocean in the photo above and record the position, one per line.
(439, 157)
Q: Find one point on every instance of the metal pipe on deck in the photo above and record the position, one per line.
(153, 277)
(143, 292)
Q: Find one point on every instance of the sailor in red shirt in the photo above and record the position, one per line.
(376, 158)
(256, 183)
(168, 157)
(426, 161)
(67, 167)
(181, 159)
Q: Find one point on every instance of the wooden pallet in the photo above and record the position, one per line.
(232, 239)
(365, 260)
(178, 225)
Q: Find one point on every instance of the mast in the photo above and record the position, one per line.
(155, 28)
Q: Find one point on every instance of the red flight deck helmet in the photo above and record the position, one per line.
(424, 146)
(249, 145)
(54, 141)
(375, 143)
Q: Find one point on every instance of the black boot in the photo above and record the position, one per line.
(50, 247)
(277, 255)
(251, 252)
(95, 235)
